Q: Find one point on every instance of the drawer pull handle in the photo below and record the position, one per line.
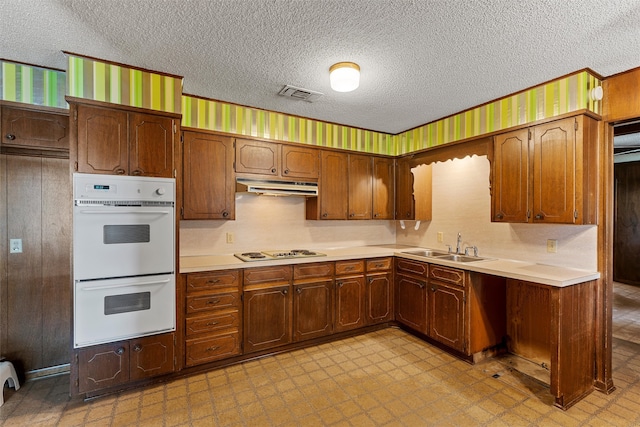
(213, 281)
(11, 137)
(379, 265)
(348, 269)
(212, 323)
(213, 301)
(120, 350)
(120, 171)
(212, 348)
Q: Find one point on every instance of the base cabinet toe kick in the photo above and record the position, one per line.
(228, 316)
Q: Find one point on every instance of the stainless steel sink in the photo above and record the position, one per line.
(429, 253)
(460, 258)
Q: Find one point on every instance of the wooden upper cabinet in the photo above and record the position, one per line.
(209, 179)
(413, 190)
(34, 129)
(547, 173)
(383, 194)
(360, 186)
(273, 160)
(150, 145)
(112, 141)
(332, 200)
(511, 177)
(102, 140)
(300, 162)
(257, 157)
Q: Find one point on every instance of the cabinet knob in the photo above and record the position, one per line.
(225, 214)
(540, 216)
(375, 215)
(285, 291)
(120, 171)
(352, 215)
(324, 215)
(136, 172)
(299, 290)
(340, 284)
(120, 350)
(10, 136)
(433, 289)
(273, 170)
(137, 347)
(408, 214)
(422, 285)
(286, 172)
(499, 216)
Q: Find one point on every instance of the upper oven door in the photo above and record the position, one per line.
(120, 241)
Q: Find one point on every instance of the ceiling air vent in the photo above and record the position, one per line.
(300, 93)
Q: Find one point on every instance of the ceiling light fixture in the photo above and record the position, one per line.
(344, 76)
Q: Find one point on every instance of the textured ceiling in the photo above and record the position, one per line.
(420, 60)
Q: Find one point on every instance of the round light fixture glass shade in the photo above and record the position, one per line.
(344, 76)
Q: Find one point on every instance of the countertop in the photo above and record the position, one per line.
(539, 273)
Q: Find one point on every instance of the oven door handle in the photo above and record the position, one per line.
(124, 285)
(125, 212)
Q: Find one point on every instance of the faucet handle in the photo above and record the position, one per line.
(449, 248)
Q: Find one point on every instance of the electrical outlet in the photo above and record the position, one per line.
(552, 246)
(231, 238)
(15, 246)
(440, 237)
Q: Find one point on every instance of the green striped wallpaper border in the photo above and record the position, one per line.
(117, 84)
(32, 85)
(219, 116)
(561, 96)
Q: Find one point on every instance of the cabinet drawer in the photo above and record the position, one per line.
(447, 275)
(204, 350)
(212, 280)
(379, 264)
(313, 271)
(207, 324)
(276, 275)
(414, 268)
(349, 267)
(198, 304)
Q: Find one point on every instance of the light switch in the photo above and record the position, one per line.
(440, 237)
(552, 245)
(15, 246)
(231, 238)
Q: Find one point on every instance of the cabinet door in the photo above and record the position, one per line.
(34, 129)
(510, 181)
(300, 162)
(411, 302)
(267, 318)
(554, 172)
(103, 366)
(383, 193)
(151, 356)
(151, 145)
(209, 179)
(312, 310)
(360, 186)
(349, 303)
(102, 141)
(379, 298)
(405, 204)
(446, 315)
(257, 157)
(333, 191)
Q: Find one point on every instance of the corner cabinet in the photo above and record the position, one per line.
(122, 142)
(413, 190)
(546, 173)
(208, 176)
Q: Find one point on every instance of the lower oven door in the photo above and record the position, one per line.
(115, 309)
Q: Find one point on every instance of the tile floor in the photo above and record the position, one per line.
(385, 378)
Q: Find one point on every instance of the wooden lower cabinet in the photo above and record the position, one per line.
(411, 302)
(349, 295)
(379, 290)
(267, 307)
(114, 364)
(446, 310)
(213, 322)
(312, 300)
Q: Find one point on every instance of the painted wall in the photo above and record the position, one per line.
(462, 203)
(266, 222)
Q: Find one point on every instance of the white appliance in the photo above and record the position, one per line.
(123, 257)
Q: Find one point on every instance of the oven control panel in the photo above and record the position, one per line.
(115, 187)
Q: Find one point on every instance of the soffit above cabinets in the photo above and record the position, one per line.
(420, 60)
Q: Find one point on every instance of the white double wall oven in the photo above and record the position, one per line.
(123, 257)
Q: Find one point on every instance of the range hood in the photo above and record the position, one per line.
(276, 188)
